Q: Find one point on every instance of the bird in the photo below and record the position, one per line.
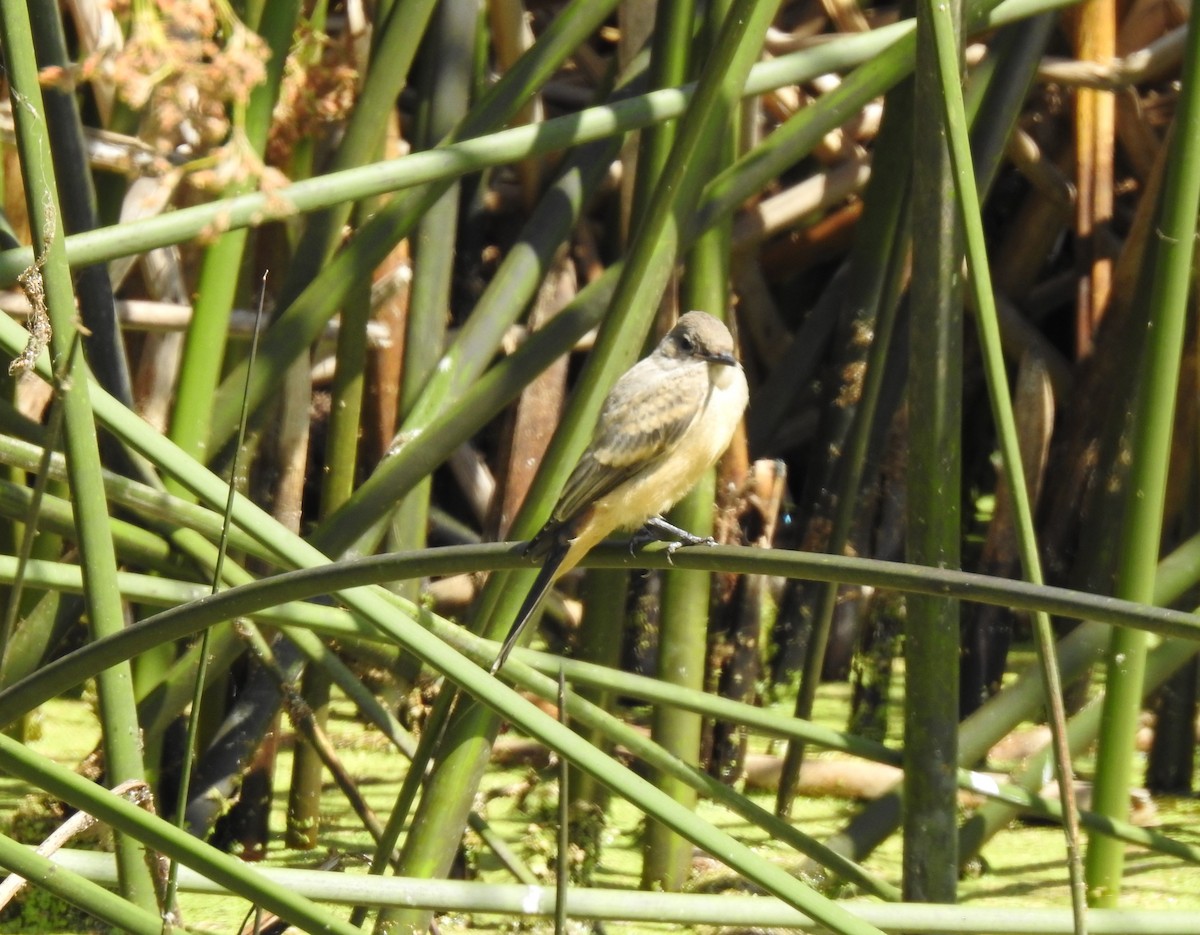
(664, 423)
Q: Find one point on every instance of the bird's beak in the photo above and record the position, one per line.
(727, 359)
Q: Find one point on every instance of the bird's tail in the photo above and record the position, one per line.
(541, 584)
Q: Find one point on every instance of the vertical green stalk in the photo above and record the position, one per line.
(105, 349)
(934, 495)
(683, 618)
(446, 80)
(341, 451)
(204, 657)
(118, 710)
(668, 69)
(204, 347)
(997, 381)
(682, 654)
(605, 594)
(1153, 416)
(562, 878)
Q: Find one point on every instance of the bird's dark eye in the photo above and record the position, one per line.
(685, 344)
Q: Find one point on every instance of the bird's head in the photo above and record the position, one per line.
(698, 335)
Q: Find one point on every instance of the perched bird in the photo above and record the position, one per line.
(665, 422)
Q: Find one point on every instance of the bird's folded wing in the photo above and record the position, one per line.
(641, 422)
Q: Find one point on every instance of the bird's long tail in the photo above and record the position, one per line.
(541, 584)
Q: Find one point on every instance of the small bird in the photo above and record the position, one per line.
(665, 422)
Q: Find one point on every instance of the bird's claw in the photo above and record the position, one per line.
(693, 541)
(659, 530)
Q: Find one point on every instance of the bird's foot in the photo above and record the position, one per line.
(658, 529)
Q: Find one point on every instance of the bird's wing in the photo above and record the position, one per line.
(642, 419)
